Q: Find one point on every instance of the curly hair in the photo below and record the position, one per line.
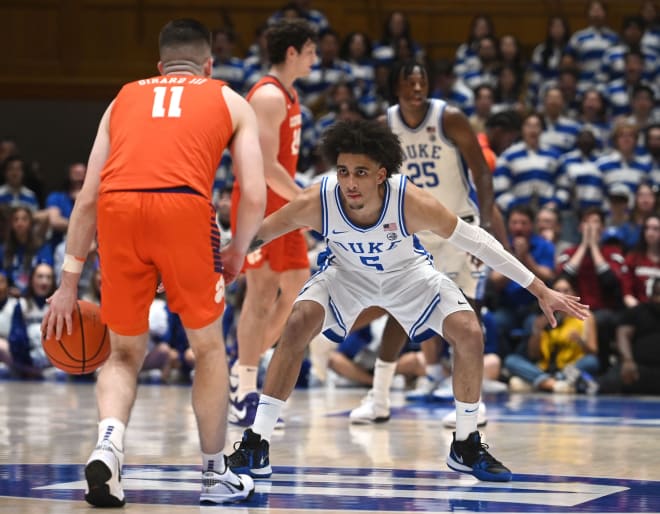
(286, 33)
(370, 138)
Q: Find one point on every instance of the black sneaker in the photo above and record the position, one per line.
(251, 456)
(471, 456)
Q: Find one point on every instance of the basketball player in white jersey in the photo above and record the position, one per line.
(369, 217)
(439, 146)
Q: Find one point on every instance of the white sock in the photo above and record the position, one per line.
(466, 419)
(267, 413)
(111, 429)
(435, 371)
(383, 374)
(214, 462)
(247, 380)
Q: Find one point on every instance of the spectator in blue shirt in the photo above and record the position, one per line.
(480, 26)
(226, 66)
(446, 86)
(13, 192)
(59, 204)
(314, 17)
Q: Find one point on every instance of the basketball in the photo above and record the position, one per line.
(86, 348)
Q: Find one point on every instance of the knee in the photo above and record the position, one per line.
(299, 330)
(469, 338)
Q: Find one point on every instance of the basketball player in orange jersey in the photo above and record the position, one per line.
(276, 272)
(148, 193)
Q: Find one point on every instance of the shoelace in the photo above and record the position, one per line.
(483, 452)
(240, 456)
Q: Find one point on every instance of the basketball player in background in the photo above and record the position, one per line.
(441, 155)
(275, 273)
(368, 217)
(148, 192)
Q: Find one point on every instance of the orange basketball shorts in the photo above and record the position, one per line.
(146, 235)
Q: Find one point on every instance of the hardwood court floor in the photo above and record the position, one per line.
(568, 454)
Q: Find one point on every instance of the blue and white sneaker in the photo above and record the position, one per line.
(251, 456)
(471, 456)
(225, 487)
(242, 412)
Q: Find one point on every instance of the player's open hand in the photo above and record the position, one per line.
(59, 314)
(552, 301)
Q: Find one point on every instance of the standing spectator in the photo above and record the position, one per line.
(22, 250)
(59, 204)
(651, 38)
(483, 70)
(226, 66)
(618, 225)
(559, 132)
(593, 116)
(446, 86)
(652, 144)
(595, 269)
(356, 51)
(588, 45)
(638, 369)
(567, 82)
(13, 192)
(526, 172)
(622, 165)
(642, 266)
(314, 17)
(613, 63)
(466, 54)
(619, 92)
(508, 91)
(544, 66)
(397, 27)
(511, 55)
(328, 71)
(643, 113)
(484, 99)
(256, 64)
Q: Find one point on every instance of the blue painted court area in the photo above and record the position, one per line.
(345, 489)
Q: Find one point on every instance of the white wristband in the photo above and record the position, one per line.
(73, 264)
(481, 244)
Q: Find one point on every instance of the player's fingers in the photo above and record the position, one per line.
(59, 325)
(45, 326)
(68, 320)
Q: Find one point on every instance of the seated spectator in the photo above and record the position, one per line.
(356, 51)
(619, 91)
(642, 265)
(484, 68)
(90, 267)
(22, 250)
(59, 204)
(161, 358)
(567, 82)
(595, 269)
(223, 214)
(613, 64)
(547, 225)
(644, 112)
(514, 309)
(651, 38)
(573, 342)
(28, 357)
(526, 172)
(7, 306)
(508, 91)
(638, 333)
(13, 192)
(256, 65)
(92, 293)
(619, 227)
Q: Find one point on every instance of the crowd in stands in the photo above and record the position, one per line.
(579, 190)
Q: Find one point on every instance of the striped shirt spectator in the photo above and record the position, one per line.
(560, 132)
(225, 66)
(315, 18)
(579, 181)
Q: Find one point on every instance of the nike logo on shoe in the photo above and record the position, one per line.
(458, 458)
(240, 414)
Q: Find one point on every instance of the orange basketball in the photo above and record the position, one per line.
(86, 348)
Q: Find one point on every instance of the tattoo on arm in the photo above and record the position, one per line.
(256, 243)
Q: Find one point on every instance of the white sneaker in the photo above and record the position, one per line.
(493, 386)
(449, 421)
(103, 475)
(445, 391)
(424, 386)
(225, 487)
(518, 385)
(370, 411)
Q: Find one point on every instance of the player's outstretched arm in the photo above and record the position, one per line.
(80, 235)
(304, 211)
(423, 212)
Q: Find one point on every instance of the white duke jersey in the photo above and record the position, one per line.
(433, 162)
(384, 247)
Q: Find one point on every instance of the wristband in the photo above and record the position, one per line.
(73, 264)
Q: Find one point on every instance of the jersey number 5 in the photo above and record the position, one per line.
(173, 106)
